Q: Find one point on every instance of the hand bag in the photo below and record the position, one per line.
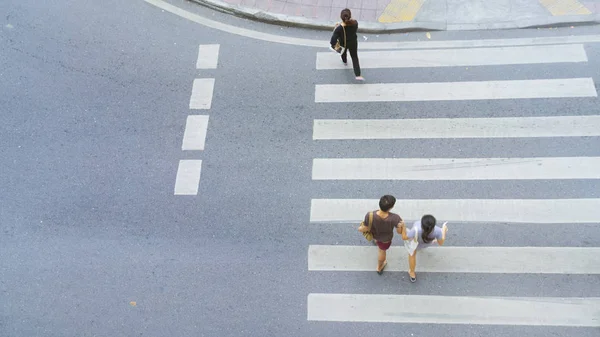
(411, 244)
(368, 234)
(338, 48)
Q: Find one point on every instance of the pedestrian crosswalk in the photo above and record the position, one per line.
(475, 210)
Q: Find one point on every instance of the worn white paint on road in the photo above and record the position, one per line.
(208, 56)
(202, 93)
(456, 168)
(411, 309)
(194, 136)
(428, 128)
(459, 57)
(465, 210)
(453, 91)
(188, 177)
(502, 260)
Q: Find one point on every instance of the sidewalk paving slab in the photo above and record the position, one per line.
(386, 16)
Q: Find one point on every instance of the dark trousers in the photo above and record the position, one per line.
(354, 55)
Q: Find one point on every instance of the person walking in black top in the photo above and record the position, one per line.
(346, 34)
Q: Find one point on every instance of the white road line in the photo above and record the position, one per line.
(451, 91)
(459, 57)
(464, 210)
(188, 177)
(427, 128)
(202, 93)
(500, 260)
(415, 309)
(456, 168)
(208, 56)
(574, 39)
(194, 136)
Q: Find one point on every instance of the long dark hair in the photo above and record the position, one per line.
(345, 15)
(427, 224)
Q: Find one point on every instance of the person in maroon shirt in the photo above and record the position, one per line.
(382, 228)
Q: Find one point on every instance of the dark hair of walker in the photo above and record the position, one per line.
(387, 202)
(428, 224)
(345, 15)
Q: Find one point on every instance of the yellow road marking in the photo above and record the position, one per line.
(565, 7)
(400, 11)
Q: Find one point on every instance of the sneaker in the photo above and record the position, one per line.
(360, 78)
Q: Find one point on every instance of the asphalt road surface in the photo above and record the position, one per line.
(121, 216)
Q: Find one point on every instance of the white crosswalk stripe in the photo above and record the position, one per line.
(577, 312)
(544, 211)
(506, 260)
(459, 57)
(455, 91)
(552, 260)
(429, 128)
(455, 168)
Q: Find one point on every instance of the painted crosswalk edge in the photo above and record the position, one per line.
(460, 57)
(194, 136)
(506, 260)
(452, 91)
(188, 177)
(464, 210)
(532, 311)
(202, 93)
(427, 128)
(456, 168)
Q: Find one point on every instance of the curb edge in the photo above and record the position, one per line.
(374, 27)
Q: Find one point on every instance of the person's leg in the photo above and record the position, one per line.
(355, 62)
(381, 256)
(412, 265)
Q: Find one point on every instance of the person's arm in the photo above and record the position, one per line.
(441, 239)
(401, 229)
(408, 234)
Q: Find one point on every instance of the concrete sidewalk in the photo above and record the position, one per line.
(377, 16)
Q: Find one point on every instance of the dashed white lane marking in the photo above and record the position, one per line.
(188, 177)
(208, 56)
(202, 93)
(194, 136)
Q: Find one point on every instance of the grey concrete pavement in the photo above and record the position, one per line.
(95, 97)
(410, 15)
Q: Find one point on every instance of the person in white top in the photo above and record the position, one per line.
(429, 234)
